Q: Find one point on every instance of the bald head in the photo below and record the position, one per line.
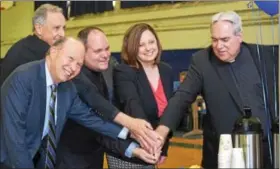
(96, 35)
(65, 59)
(84, 33)
(60, 43)
(74, 44)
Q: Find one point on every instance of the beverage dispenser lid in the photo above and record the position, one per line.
(247, 123)
(275, 126)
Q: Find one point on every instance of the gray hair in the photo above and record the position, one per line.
(40, 14)
(231, 17)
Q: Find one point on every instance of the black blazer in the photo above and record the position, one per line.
(28, 49)
(135, 96)
(208, 76)
(90, 92)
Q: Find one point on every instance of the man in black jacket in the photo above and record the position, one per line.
(228, 74)
(48, 26)
(88, 150)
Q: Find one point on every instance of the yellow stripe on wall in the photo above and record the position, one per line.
(179, 26)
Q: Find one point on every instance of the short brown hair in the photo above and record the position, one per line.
(131, 43)
(83, 34)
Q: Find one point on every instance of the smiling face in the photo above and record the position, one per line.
(225, 42)
(98, 51)
(53, 28)
(66, 60)
(141, 46)
(148, 48)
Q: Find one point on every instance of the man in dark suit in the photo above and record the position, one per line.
(87, 151)
(37, 99)
(228, 75)
(48, 25)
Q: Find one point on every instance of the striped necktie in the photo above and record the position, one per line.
(51, 137)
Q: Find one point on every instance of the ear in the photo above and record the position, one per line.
(240, 37)
(38, 29)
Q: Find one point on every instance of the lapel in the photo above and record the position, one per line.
(165, 81)
(144, 83)
(61, 100)
(254, 54)
(224, 75)
(41, 83)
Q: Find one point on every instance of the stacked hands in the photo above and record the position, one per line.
(150, 141)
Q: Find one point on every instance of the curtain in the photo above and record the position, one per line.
(133, 4)
(85, 7)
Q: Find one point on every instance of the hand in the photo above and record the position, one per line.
(145, 156)
(143, 132)
(161, 160)
(157, 155)
(151, 147)
(162, 131)
(159, 144)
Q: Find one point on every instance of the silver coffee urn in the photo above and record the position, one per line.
(247, 134)
(275, 132)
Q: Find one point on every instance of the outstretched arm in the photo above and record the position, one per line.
(182, 99)
(83, 115)
(90, 95)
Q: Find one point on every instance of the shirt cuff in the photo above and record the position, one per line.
(114, 114)
(129, 151)
(123, 134)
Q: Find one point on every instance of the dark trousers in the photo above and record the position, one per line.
(3, 166)
(81, 160)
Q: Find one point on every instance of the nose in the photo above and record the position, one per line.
(105, 54)
(73, 67)
(147, 47)
(108, 54)
(220, 45)
(61, 32)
